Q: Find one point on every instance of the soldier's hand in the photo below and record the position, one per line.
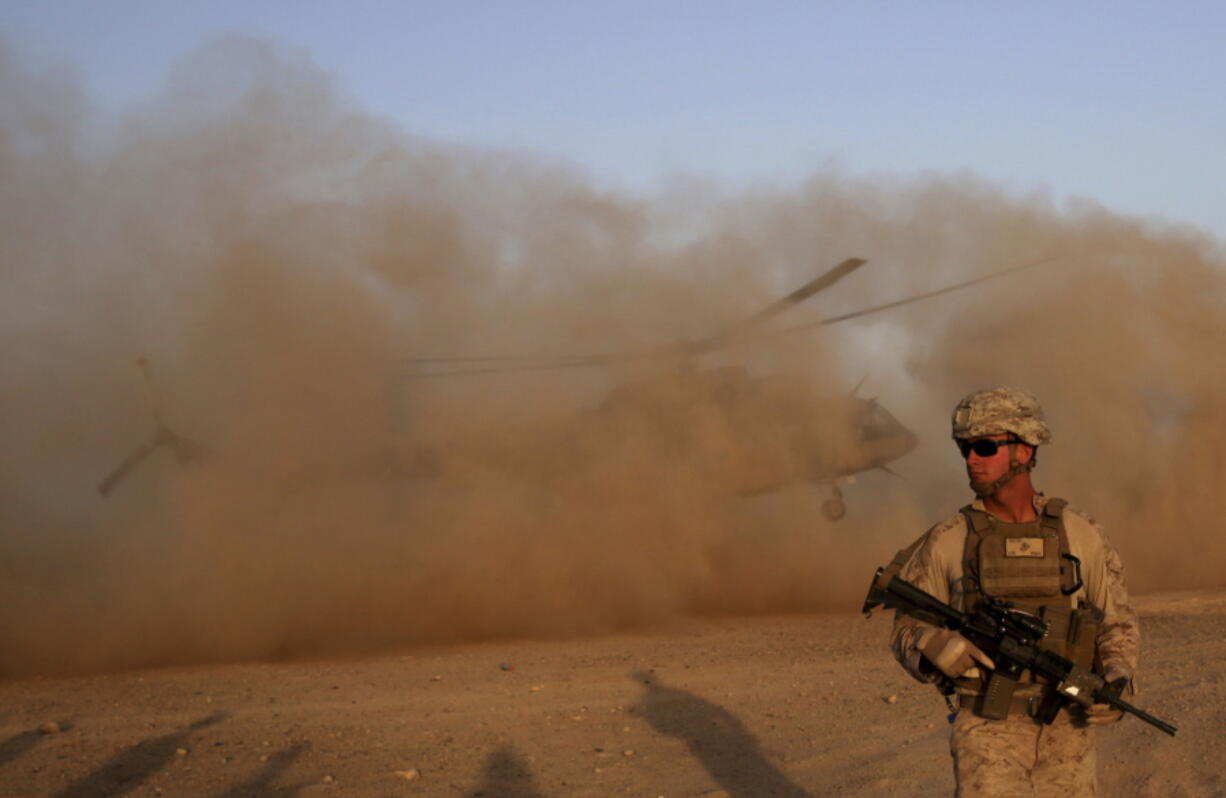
(1102, 714)
(951, 653)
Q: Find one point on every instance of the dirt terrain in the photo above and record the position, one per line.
(793, 706)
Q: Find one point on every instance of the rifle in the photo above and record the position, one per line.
(1010, 636)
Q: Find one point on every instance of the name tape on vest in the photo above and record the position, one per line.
(1025, 547)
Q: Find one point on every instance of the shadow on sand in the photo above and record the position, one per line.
(261, 785)
(720, 741)
(128, 769)
(18, 744)
(506, 775)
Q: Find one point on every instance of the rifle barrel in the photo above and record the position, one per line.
(1120, 703)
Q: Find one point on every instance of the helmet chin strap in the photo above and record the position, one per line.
(985, 489)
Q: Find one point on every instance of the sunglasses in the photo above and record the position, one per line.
(984, 447)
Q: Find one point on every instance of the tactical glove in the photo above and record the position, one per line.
(951, 653)
(1102, 714)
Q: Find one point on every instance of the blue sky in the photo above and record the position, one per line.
(1122, 102)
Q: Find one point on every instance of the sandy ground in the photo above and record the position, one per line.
(792, 706)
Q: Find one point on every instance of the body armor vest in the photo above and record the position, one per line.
(1030, 566)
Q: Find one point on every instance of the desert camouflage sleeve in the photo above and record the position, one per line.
(1119, 639)
(928, 571)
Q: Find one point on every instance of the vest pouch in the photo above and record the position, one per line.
(995, 702)
(1084, 624)
(1059, 629)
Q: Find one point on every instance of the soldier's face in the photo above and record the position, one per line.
(989, 468)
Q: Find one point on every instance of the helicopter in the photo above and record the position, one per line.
(740, 434)
(747, 435)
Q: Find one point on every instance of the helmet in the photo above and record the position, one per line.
(1001, 410)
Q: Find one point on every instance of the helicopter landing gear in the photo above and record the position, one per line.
(834, 508)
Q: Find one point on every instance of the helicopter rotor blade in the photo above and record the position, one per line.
(463, 366)
(426, 368)
(814, 286)
(917, 298)
(127, 466)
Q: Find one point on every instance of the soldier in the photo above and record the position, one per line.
(1016, 544)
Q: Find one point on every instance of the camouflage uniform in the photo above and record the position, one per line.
(1017, 756)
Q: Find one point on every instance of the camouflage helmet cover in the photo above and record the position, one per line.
(1001, 411)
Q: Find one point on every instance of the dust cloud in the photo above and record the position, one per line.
(284, 260)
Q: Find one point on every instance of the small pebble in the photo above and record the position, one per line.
(436, 678)
(412, 774)
(627, 752)
(892, 699)
(50, 728)
(328, 779)
(181, 751)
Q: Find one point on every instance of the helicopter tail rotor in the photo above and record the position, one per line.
(127, 466)
(185, 451)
